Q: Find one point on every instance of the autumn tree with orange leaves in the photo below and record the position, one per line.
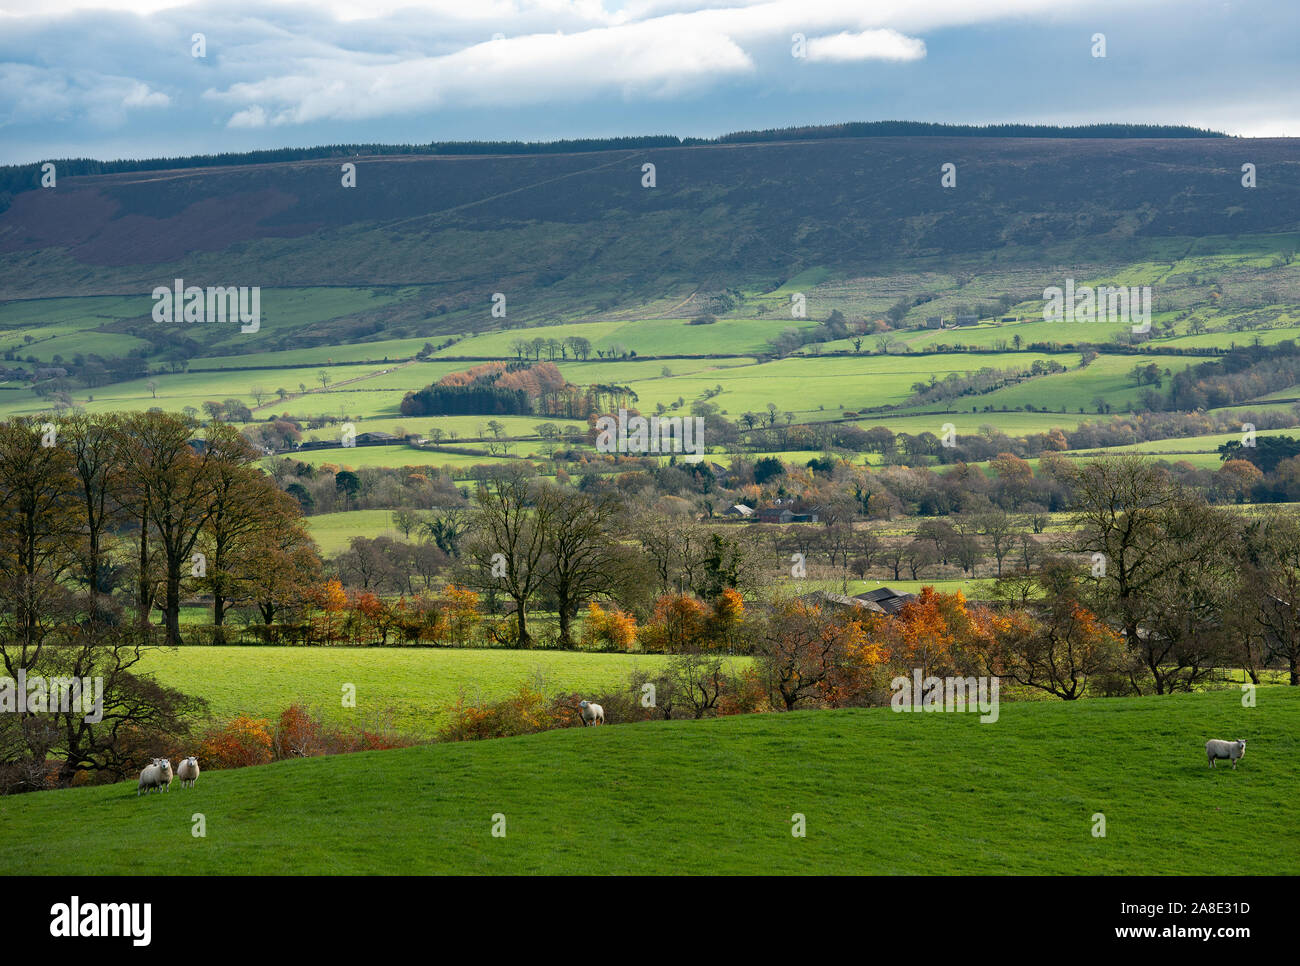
(810, 656)
(940, 634)
(679, 624)
(1055, 644)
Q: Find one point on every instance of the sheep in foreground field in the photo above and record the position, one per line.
(156, 774)
(188, 772)
(149, 776)
(592, 713)
(1232, 750)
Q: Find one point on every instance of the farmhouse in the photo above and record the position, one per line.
(738, 510)
(934, 322)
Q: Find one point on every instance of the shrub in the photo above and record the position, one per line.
(745, 693)
(238, 743)
(679, 624)
(608, 630)
(300, 734)
(524, 712)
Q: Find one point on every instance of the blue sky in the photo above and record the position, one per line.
(116, 78)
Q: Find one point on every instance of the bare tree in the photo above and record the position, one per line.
(174, 485)
(508, 544)
(1157, 550)
(584, 553)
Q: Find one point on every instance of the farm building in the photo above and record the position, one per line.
(934, 322)
(882, 600)
(738, 510)
(885, 599)
(786, 512)
(720, 473)
(968, 320)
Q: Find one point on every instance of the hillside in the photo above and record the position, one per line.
(412, 687)
(575, 226)
(881, 792)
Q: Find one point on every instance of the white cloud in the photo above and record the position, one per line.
(299, 62)
(867, 45)
(562, 51)
(641, 61)
(140, 95)
(30, 94)
(249, 117)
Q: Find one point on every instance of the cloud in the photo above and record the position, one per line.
(249, 117)
(542, 68)
(867, 45)
(29, 94)
(289, 71)
(565, 51)
(276, 63)
(140, 95)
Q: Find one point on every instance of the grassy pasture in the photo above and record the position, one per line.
(174, 391)
(384, 350)
(1169, 448)
(882, 793)
(815, 388)
(332, 531)
(416, 684)
(1075, 391)
(643, 336)
(1012, 423)
(283, 310)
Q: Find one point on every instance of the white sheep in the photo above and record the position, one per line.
(156, 774)
(148, 778)
(1232, 750)
(188, 772)
(592, 713)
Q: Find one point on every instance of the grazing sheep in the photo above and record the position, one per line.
(188, 772)
(1232, 750)
(156, 774)
(592, 713)
(148, 778)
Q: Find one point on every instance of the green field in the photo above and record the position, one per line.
(1076, 391)
(646, 337)
(416, 685)
(881, 793)
(332, 531)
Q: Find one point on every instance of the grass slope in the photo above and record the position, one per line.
(415, 684)
(881, 792)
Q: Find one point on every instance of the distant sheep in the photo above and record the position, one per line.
(592, 713)
(188, 772)
(157, 774)
(1216, 748)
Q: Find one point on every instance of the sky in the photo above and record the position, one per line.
(120, 78)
